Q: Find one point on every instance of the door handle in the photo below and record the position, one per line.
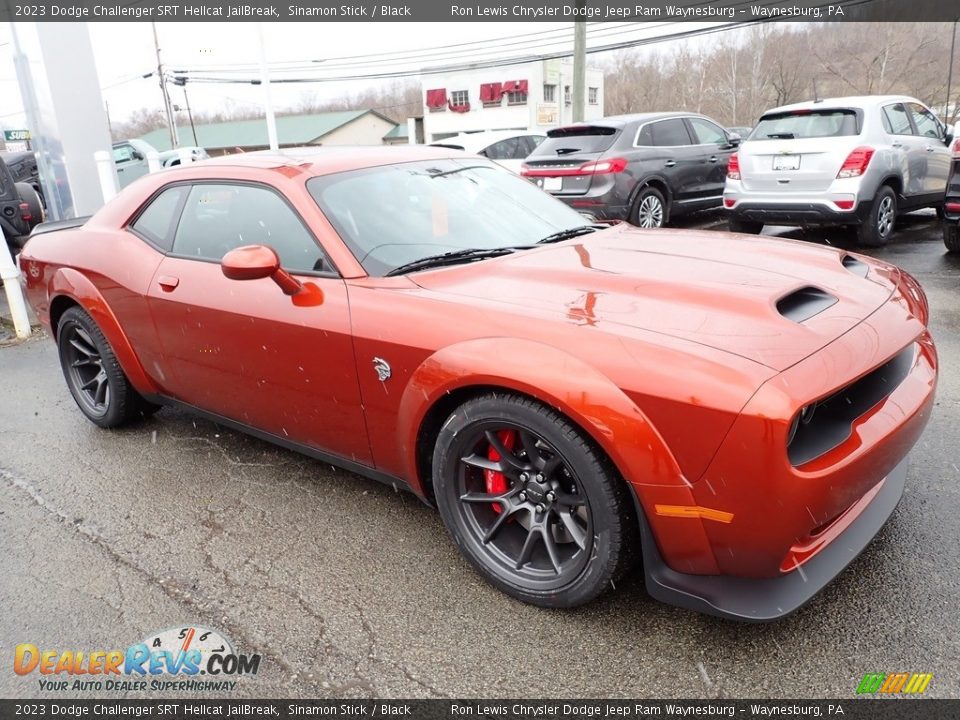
(931, 148)
(713, 158)
(897, 145)
(670, 163)
(168, 283)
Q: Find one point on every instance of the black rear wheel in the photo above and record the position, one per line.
(532, 504)
(650, 209)
(951, 236)
(94, 377)
(877, 226)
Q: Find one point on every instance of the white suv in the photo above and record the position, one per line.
(844, 161)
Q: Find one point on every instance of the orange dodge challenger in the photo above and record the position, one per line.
(736, 412)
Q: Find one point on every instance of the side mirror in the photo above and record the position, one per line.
(255, 262)
(734, 139)
(136, 154)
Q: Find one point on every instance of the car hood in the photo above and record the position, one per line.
(734, 293)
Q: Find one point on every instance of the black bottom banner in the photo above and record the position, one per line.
(175, 709)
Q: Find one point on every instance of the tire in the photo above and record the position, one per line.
(559, 529)
(650, 209)
(877, 226)
(30, 196)
(94, 377)
(941, 213)
(951, 236)
(745, 227)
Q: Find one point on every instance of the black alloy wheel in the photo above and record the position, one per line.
(93, 374)
(531, 503)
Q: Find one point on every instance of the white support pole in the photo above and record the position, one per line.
(11, 286)
(265, 81)
(411, 131)
(108, 179)
(153, 161)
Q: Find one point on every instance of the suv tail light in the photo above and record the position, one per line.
(25, 213)
(955, 148)
(605, 166)
(733, 167)
(856, 163)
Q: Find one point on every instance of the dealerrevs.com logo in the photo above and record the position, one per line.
(188, 658)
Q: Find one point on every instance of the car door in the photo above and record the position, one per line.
(673, 156)
(715, 149)
(245, 350)
(938, 155)
(910, 147)
(129, 162)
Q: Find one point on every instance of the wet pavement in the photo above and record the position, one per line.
(348, 588)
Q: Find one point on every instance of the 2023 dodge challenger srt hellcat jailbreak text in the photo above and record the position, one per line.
(736, 411)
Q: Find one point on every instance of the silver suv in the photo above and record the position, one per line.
(844, 161)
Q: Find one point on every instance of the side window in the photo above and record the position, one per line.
(218, 218)
(926, 123)
(123, 153)
(503, 150)
(707, 133)
(897, 122)
(668, 133)
(157, 221)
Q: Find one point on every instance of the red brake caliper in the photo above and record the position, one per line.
(496, 481)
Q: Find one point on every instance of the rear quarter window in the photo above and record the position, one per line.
(156, 221)
(825, 122)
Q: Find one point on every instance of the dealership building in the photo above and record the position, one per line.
(530, 96)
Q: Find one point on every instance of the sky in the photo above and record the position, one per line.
(123, 52)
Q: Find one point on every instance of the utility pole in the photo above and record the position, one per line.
(265, 81)
(167, 107)
(181, 81)
(579, 67)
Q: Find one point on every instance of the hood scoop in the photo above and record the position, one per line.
(801, 305)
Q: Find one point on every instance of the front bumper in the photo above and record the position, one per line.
(762, 599)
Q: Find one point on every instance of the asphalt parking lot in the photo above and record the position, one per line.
(348, 588)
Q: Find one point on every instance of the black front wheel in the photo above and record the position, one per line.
(93, 375)
(951, 236)
(534, 506)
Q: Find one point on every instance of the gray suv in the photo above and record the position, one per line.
(856, 161)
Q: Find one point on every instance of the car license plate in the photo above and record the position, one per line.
(786, 162)
(554, 183)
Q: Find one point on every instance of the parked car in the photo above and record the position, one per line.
(20, 208)
(23, 168)
(644, 168)
(951, 205)
(505, 147)
(858, 161)
(737, 410)
(130, 159)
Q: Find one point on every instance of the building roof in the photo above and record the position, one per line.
(400, 132)
(291, 130)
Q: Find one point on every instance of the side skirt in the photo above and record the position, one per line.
(329, 458)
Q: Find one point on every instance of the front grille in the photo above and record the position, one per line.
(829, 422)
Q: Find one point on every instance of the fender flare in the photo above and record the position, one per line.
(552, 376)
(67, 282)
(586, 396)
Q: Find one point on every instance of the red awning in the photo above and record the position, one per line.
(436, 98)
(491, 92)
(516, 86)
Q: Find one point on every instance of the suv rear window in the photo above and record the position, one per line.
(825, 122)
(577, 139)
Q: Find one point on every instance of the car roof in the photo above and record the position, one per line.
(849, 101)
(325, 160)
(471, 142)
(624, 120)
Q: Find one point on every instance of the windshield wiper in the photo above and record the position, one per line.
(781, 136)
(571, 233)
(455, 256)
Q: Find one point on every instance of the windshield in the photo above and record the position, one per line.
(825, 122)
(394, 215)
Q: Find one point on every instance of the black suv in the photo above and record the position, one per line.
(642, 168)
(21, 207)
